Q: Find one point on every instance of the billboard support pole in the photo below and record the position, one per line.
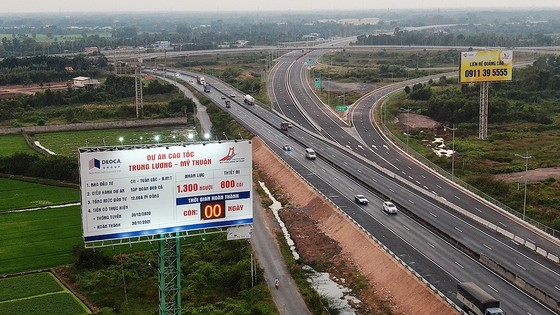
(169, 256)
(483, 112)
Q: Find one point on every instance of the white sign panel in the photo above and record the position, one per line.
(129, 192)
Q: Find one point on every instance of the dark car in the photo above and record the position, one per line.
(361, 199)
(287, 147)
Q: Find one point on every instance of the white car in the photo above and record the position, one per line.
(389, 207)
(232, 95)
(361, 199)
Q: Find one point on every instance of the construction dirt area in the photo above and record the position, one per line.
(323, 234)
(10, 91)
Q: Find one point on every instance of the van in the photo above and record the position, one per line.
(310, 154)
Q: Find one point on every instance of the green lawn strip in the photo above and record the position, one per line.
(39, 239)
(47, 304)
(21, 195)
(29, 285)
(10, 144)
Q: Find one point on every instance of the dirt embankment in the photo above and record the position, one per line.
(321, 233)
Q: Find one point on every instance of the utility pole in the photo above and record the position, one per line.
(526, 157)
(453, 154)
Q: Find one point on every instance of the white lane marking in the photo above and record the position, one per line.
(386, 147)
(433, 192)
(422, 176)
(374, 146)
(391, 189)
(410, 177)
(349, 147)
(502, 224)
(456, 228)
(490, 248)
(477, 209)
(458, 264)
(403, 172)
(438, 185)
(426, 188)
(456, 197)
(433, 215)
(412, 202)
(409, 167)
(491, 287)
(374, 180)
(404, 226)
(359, 146)
(518, 265)
(429, 244)
(557, 288)
(417, 182)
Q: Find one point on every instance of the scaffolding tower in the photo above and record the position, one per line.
(169, 276)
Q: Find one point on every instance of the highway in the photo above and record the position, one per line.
(433, 257)
(366, 141)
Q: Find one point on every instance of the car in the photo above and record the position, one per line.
(232, 95)
(228, 105)
(287, 147)
(223, 97)
(389, 207)
(361, 199)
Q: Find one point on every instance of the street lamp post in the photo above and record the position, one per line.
(407, 122)
(526, 157)
(453, 153)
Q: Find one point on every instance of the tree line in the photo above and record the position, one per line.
(531, 96)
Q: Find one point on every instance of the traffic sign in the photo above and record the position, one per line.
(317, 83)
(341, 108)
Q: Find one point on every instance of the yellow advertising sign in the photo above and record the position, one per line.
(486, 66)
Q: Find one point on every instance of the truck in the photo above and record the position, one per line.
(284, 125)
(477, 301)
(206, 88)
(249, 100)
(200, 80)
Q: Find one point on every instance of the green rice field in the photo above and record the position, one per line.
(38, 293)
(38, 239)
(23, 195)
(10, 144)
(67, 143)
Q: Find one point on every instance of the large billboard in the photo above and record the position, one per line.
(486, 66)
(131, 192)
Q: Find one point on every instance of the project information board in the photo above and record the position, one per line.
(486, 66)
(131, 192)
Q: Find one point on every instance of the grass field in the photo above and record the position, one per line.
(67, 143)
(38, 239)
(10, 144)
(38, 293)
(22, 195)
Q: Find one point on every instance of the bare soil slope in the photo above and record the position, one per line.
(321, 233)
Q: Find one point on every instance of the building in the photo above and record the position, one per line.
(162, 44)
(85, 82)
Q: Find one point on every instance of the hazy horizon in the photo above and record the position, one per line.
(66, 6)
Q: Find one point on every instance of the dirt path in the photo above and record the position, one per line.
(323, 234)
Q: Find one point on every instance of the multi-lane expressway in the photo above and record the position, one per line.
(293, 97)
(433, 257)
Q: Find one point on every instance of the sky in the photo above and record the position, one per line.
(14, 6)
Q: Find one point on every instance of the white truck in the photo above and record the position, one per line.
(200, 80)
(477, 301)
(249, 100)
